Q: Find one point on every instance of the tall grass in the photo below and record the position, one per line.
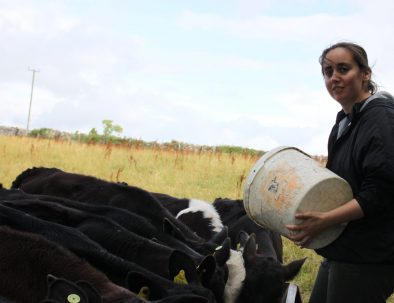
(181, 173)
(191, 174)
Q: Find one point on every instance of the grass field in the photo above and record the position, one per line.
(190, 174)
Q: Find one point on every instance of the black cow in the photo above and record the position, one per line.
(53, 181)
(116, 268)
(64, 291)
(26, 259)
(111, 236)
(4, 300)
(119, 241)
(48, 181)
(131, 221)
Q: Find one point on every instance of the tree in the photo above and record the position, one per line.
(109, 128)
(93, 136)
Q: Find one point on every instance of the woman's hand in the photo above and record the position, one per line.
(314, 222)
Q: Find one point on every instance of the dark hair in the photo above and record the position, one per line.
(359, 55)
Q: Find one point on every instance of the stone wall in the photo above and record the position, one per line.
(12, 131)
(49, 133)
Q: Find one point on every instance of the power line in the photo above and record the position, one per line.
(31, 96)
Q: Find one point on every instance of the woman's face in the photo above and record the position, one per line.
(344, 80)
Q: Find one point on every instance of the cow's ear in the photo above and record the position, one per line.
(167, 226)
(171, 229)
(206, 269)
(62, 290)
(219, 237)
(242, 238)
(144, 287)
(292, 269)
(222, 252)
(51, 279)
(249, 252)
(90, 291)
(182, 269)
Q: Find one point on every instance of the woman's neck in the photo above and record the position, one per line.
(347, 108)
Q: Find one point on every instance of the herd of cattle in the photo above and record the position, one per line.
(74, 238)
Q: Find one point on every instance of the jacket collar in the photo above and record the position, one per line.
(358, 107)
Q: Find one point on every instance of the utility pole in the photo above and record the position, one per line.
(31, 97)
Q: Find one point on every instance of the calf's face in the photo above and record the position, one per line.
(265, 277)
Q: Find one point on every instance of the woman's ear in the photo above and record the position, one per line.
(367, 75)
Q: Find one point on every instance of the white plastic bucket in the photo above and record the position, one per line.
(285, 181)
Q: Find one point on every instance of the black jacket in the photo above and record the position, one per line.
(364, 156)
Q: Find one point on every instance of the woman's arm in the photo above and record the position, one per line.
(314, 222)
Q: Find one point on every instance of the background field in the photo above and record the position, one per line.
(191, 174)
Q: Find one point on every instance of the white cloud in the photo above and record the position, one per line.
(244, 77)
(14, 98)
(272, 28)
(17, 20)
(362, 24)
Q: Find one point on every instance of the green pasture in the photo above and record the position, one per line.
(187, 173)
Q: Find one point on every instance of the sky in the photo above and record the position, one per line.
(207, 72)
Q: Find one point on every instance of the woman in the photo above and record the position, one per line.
(359, 265)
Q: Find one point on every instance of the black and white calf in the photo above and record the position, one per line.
(207, 219)
(254, 277)
(201, 217)
(233, 215)
(263, 252)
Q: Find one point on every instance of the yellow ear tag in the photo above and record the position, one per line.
(144, 292)
(238, 246)
(73, 298)
(180, 278)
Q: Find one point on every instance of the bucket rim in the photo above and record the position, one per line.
(278, 225)
(261, 162)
